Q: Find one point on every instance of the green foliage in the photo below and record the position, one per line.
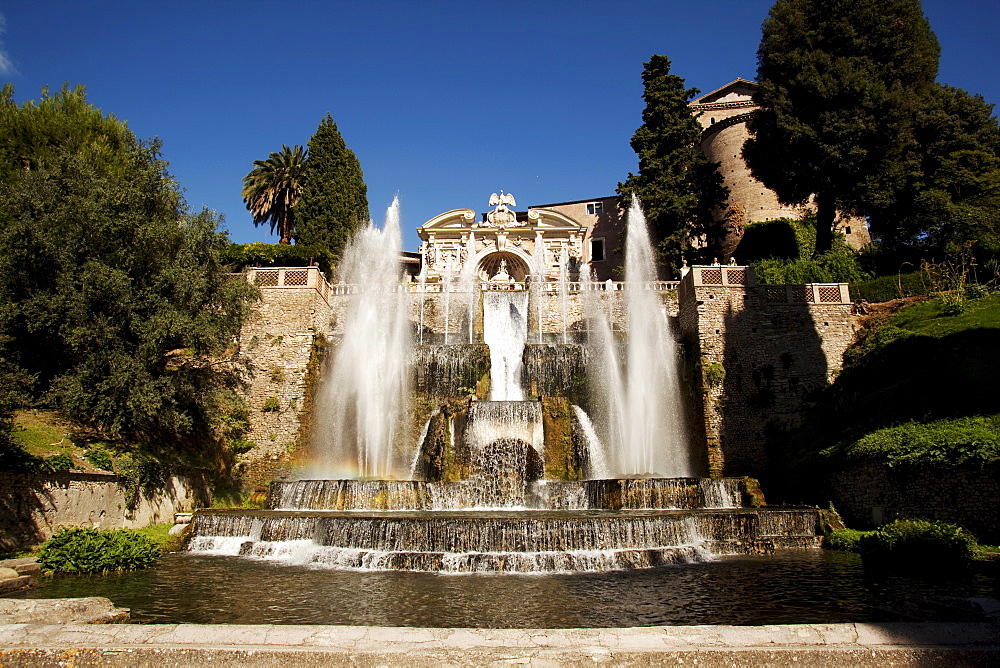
(715, 374)
(782, 251)
(914, 543)
(676, 184)
(139, 475)
(781, 238)
(840, 83)
(940, 442)
(271, 405)
(830, 267)
(240, 256)
(845, 540)
(112, 297)
(99, 459)
(77, 550)
(272, 189)
(334, 196)
(60, 463)
(887, 288)
(949, 194)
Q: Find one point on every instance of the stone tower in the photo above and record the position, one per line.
(723, 114)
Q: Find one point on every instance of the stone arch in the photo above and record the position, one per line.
(518, 265)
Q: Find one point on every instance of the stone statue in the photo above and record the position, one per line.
(501, 216)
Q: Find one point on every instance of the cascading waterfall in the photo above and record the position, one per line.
(362, 399)
(505, 330)
(597, 459)
(507, 485)
(641, 400)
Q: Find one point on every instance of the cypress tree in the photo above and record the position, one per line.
(676, 184)
(841, 82)
(334, 201)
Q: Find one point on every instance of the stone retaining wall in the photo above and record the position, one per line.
(759, 362)
(869, 495)
(775, 351)
(33, 507)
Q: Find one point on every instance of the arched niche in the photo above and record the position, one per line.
(489, 265)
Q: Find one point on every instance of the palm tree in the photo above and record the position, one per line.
(272, 188)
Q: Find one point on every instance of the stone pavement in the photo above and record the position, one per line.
(922, 644)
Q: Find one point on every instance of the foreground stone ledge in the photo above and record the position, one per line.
(277, 645)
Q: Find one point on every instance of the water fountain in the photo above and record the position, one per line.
(516, 483)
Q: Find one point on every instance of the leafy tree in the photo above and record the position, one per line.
(272, 189)
(840, 85)
(950, 196)
(112, 298)
(677, 185)
(334, 196)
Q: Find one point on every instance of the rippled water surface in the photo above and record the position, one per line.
(791, 587)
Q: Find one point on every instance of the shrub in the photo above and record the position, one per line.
(887, 288)
(77, 550)
(953, 304)
(715, 374)
(271, 405)
(239, 256)
(99, 459)
(940, 443)
(976, 291)
(60, 462)
(138, 474)
(909, 544)
(845, 540)
(831, 267)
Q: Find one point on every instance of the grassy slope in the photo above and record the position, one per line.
(917, 366)
(44, 433)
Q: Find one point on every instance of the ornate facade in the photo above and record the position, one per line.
(537, 243)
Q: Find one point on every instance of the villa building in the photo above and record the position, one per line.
(588, 233)
(533, 243)
(723, 114)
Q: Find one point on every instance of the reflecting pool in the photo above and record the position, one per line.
(793, 586)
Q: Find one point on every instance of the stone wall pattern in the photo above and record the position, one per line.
(32, 507)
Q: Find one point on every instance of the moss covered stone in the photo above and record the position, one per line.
(561, 456)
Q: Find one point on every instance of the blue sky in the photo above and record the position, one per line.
(443, 102)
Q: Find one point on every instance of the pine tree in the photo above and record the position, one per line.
(950, 197)
(841, 82)
(676, 184)
(334, 201)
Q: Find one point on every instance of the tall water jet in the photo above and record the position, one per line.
(564, 292)
(468, 281)
(538, 285)
(361, 403)
(641, 399)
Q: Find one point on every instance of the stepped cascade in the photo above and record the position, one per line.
(529, 470)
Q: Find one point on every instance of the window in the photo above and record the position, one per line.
(595, 208)
(847, 230)
(597, 250)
